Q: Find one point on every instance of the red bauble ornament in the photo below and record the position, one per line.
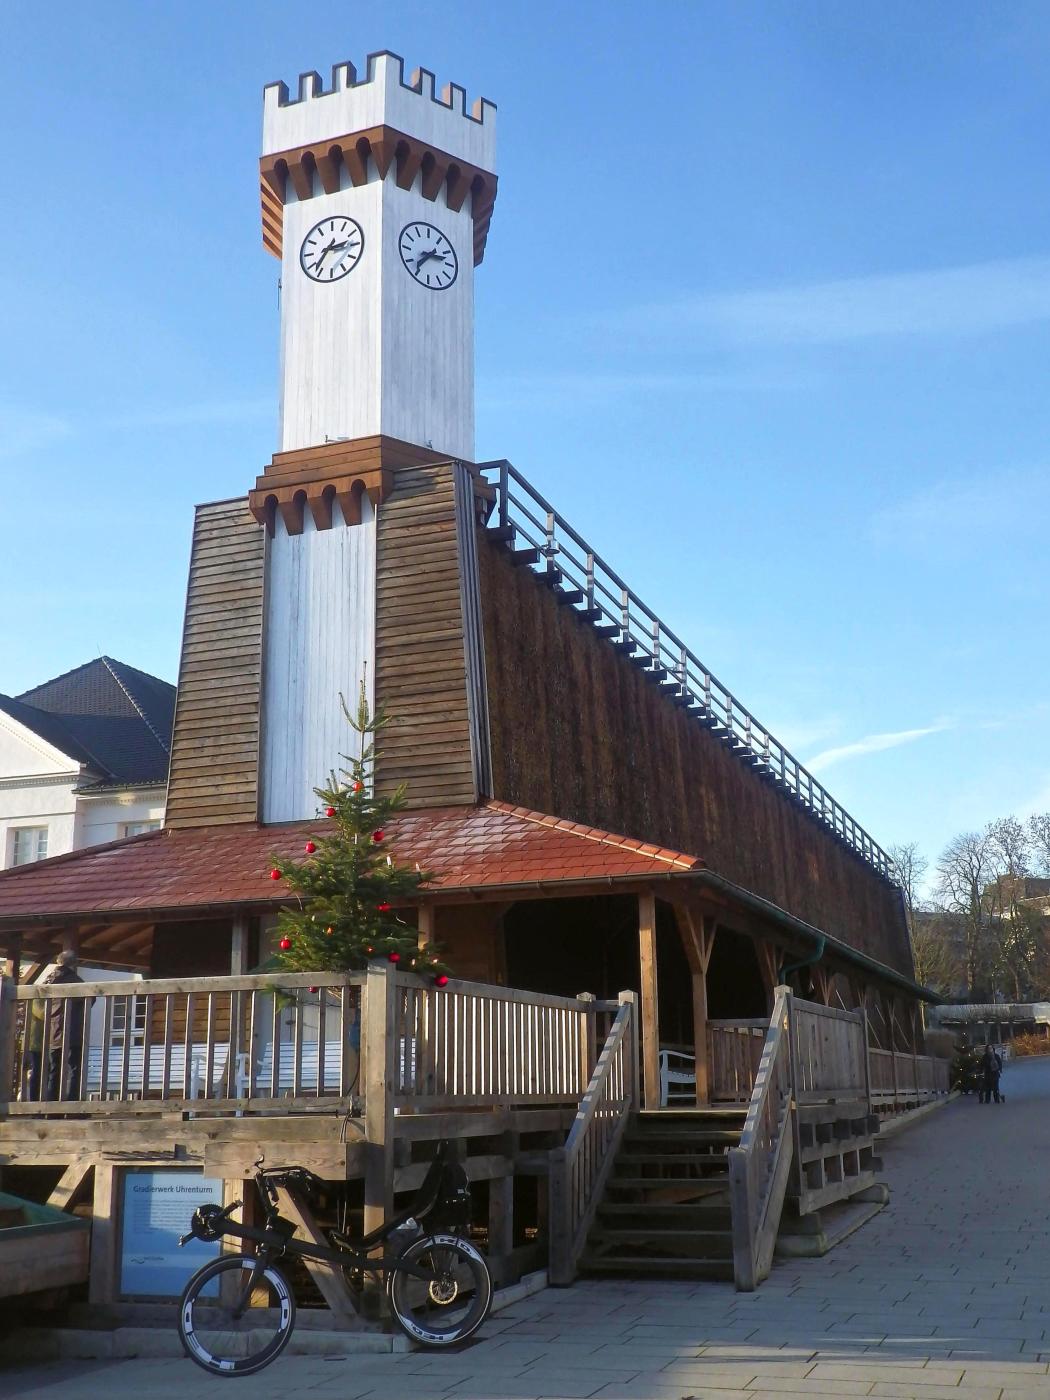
(275, 874)
(329, 931)
(309, 848)
(329, 811)
(383, 908)
(377, 836)
(441, 980)
(285, 944)
(369, 950)
(358, 787)
(394, 957)
(311, 989)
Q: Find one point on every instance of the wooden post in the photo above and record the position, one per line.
(14, 958)
(328, 1277)
(8, 1017)
(425, 925)
(69, 1183)
(103, 1282)
(768, 957)
(501, 1227)
(379, 1054)
(699, 940)
(650, 1000)
(588, 1041)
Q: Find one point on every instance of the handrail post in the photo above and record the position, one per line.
(379, 1055)
(588, 1039)
(8, 1019)
(634, 1052)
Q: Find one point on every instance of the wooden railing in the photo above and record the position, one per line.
(231, 1042)
(734, 1051)
(901, 1080)
(239, 1043)
(469, 1044)
(599, 594)
(580, 1169)
(830, 1048)
(760, 1164)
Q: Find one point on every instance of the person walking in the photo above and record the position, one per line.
(67, 1032)
(991, 1069)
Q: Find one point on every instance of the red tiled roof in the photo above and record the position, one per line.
(493, 845)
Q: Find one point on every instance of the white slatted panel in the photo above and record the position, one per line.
(320, 643)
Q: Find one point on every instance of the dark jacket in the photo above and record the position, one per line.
(73, 1012)
(991, 1065)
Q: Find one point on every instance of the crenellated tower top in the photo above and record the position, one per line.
(323, 140)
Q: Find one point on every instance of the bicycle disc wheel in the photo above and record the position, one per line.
(451, 1302)
(231, 1326)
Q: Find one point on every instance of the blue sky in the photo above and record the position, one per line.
(765, 311)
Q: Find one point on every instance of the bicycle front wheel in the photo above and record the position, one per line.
(447, 1296)
(235, 1317)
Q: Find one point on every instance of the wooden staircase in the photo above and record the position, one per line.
(666, 1208)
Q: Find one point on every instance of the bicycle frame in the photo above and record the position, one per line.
(275, 1243)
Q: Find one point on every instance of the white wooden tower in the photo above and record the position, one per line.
(376, 196)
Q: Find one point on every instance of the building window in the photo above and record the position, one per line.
(137, 828)
(29, 844)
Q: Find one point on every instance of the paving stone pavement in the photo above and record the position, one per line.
(945, 1293)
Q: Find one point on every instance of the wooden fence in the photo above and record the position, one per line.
(900, 1079)
(580, 1169)
(734, 1052)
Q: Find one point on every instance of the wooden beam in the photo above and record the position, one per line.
(650, 1005)
(425, 925)
(103, 1283)
(14, 957)
(8, 1016)
(698, 937)
(69, 1183)
(768, 955)
(328, 1277)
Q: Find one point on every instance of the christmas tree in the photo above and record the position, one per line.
(348, 885)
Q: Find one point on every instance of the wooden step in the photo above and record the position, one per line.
(698, 1185)
(694, 1244)
(690, 1139)
(711, 1162)
(687, 1214)
(631, 1265)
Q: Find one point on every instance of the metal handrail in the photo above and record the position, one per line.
(634, 628)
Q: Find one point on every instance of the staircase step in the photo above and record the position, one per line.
(639, 1264)
(687, 1214)
(697, 1185)
(701, 1161)
(687, 1139)
(703, 1244)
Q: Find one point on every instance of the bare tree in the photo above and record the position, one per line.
(936, 940)
(911, 867)
(1039, 841)
(963, 871)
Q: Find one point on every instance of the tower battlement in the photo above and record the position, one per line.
(381, 98)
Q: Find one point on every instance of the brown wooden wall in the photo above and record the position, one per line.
(421, 675)
(214, 776)
(577, 731)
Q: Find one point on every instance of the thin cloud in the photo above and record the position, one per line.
(940, 518)
(26, 430)
(573, 387)
(941, 302)
(873, 743)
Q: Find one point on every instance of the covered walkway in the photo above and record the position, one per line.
(945, 1293)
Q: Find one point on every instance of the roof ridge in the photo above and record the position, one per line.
(109, 664)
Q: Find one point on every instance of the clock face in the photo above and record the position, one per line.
(332, 248)
(428, 255)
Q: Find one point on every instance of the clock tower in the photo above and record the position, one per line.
(377, 193)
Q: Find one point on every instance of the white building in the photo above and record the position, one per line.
(83, 760)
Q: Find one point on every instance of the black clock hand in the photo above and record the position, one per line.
(324, 254)
(430, 253)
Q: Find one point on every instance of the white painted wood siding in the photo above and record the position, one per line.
(319, 643)
(375, 352)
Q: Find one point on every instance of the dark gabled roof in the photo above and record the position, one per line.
(111, 717)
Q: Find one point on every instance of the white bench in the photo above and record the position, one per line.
(677, 1077)
(159, 1076)
(309, 1061)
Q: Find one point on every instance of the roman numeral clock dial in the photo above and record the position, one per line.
(332, 248)
(428, 256)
